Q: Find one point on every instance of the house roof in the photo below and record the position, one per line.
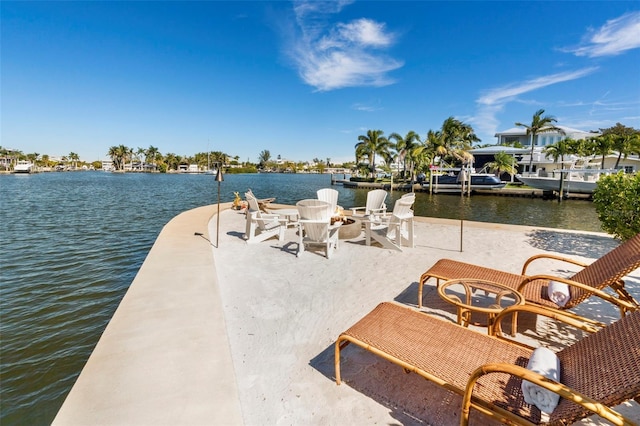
(494, 149)
(521, 131)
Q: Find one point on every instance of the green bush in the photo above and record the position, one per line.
(238, 170)
(617, 201)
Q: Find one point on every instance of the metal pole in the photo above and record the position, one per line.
(561, 189)
(219, 178)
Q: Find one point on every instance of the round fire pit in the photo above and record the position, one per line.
(349, 229)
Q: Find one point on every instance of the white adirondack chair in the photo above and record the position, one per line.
(315, 228)
(262, 202)
(393, 230)
(375, 204)
(261, 226)
(329, 195)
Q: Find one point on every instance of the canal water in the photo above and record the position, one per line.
(73, 242)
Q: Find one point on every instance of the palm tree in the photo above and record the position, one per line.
(152, 155)
(559, 150)
(457, 139)
(371, 144)
(219, 157)
(118, 156)
(405, 146)
(502, 163)
(599, 145)
(73, 157)
(625, 140)
(141, 154)
(263, 158)
(172, 161)
(539, 124)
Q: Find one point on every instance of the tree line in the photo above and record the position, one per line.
(152, 159)
(450, 146)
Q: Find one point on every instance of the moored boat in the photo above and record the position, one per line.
(577, 183)
(452, 182)
(23, 167)
(579, 179)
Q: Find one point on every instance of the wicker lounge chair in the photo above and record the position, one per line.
(597, 372)
(608, 271)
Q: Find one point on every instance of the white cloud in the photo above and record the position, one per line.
(493, 101)
(365, 32)
(333, 56)
(366, 107)
(613, 38)
(505, 94)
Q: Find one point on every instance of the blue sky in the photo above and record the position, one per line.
(304, 79)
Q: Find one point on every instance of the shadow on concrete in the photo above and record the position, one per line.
(572, 244)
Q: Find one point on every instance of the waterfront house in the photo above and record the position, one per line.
(518, 135)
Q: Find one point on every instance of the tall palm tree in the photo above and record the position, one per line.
(73, 157)
(152, 155)
(405, 146)
(539, 124)
(457, 139)
(118, 155)
(263, 158)
(141, 154)
(371, 144)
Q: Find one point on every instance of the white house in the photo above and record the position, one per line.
(540, 161)
(107, 165)
(519, 134)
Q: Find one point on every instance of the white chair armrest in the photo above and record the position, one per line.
(268, 216)
(312, 221)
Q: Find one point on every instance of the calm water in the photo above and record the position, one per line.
(73, 242)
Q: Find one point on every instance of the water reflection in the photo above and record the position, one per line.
(570, 214)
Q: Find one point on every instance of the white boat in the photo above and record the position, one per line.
(23, 167)
(579, 179)
(453, 182)
(552, 183)
(576, 181)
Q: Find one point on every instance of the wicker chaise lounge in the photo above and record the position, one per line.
(597, 372)
(607, 271)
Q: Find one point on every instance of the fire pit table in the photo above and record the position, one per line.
(350, 228)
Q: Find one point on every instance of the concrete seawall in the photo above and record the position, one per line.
(164, 357)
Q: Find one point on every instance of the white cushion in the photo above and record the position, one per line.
(558, 293)
(545, 362)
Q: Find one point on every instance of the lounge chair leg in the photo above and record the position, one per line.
(337, 362)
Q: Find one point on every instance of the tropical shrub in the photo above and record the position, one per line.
(617, 202)
(238, 170)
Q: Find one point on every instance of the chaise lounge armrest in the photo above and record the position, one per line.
(561, 316)
(550, 256)
(523, 373)
(623, 305)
